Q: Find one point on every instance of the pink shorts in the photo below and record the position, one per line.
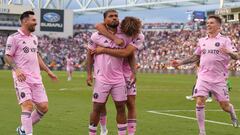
(219, 90)
(70, 69)
(27, 91)
(102, 90)
(131, 88)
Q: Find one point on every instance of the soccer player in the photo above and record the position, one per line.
(70, 67)
(108, 73)
(22, 55)
(131, 27)
(214, 52)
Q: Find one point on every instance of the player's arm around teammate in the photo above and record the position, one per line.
(101, 27)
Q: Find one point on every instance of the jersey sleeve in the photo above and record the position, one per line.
(91, 43)
(138, 42)
(198, 49)
(230, 46)
(11, 47)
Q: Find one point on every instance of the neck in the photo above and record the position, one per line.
(113, 30)
(25, 31)
(212, 35)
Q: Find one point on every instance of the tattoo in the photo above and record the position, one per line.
(191, 59)
(13, 66)
(10, 62)
(234, 55)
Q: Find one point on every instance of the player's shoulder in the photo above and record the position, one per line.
(224, 37)
(14, 35)
(141, 36)
(96, 36)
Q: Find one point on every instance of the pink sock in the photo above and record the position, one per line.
(26, 121)
(132, 124)
(36, 116)
(92, 130)
(122, 128)
(200, 114)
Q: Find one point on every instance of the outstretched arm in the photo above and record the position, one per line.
(191, 59)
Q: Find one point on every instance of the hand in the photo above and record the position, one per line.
(224, 50)
(99, 50)
(89, 80)
(133, 79)
(20, 76)
(118, 41)
(52, 76)
(175, 63)
(92, 52)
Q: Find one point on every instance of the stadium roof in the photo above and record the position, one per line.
(88, 6)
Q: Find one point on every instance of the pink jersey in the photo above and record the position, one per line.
(70, 62)
(108, 69)
(138, 44)
(213, 64)
(23, 49)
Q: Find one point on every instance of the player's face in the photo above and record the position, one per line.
(112, 20)
(31, 23)
(212, 26)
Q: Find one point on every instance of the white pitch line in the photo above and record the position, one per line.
(210, 110)
(190, 118)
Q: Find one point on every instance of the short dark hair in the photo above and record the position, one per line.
(131, 26)
(108, 11)
(217, 18)
(26, 14)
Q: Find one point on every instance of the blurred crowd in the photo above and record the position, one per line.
(160, 46)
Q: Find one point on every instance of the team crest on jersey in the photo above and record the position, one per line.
(95, 95)
(22, 94)
(217, 44)
(25, 49)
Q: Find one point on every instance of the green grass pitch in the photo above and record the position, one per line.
(70, 105)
